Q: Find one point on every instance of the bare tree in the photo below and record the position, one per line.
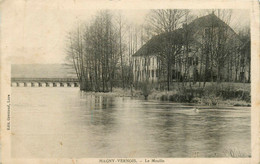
(94, 52)
(166, 20)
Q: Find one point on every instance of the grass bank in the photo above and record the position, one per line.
(119, 92)
(226, 94)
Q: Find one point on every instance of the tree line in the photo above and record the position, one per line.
(101, 50)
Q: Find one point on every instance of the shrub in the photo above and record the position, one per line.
(177, 98)
(145, 89)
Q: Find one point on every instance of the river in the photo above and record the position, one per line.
(67, 123)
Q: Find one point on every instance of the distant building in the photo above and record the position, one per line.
(204, 50)
(42, 71)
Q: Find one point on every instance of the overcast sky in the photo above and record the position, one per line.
(38, 35)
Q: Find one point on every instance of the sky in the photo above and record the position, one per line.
(34, 34)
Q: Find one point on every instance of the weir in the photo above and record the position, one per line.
(44, 82)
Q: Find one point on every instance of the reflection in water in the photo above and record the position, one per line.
(58, 122)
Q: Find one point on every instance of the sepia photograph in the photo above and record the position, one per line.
(126, 85)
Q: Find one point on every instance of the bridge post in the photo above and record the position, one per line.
(39, 84)
(28, 84)
(14, 84)
(32, 84)
(54, 85)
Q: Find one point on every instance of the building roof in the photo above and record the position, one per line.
(155, 44)
(207, 21)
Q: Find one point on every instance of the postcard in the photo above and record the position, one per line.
(132, 82)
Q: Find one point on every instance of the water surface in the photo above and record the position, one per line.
(67, 123)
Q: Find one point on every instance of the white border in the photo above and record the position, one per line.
(8, 7)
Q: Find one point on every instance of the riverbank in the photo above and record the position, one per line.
(211, 100)
(119, 92)
(227, 95)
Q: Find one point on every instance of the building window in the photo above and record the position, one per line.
(157, 73)
(242, 61)
(173, 74)
(152, 73)
(190, 60)
(197, 61)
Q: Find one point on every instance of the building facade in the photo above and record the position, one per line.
(207, 49)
